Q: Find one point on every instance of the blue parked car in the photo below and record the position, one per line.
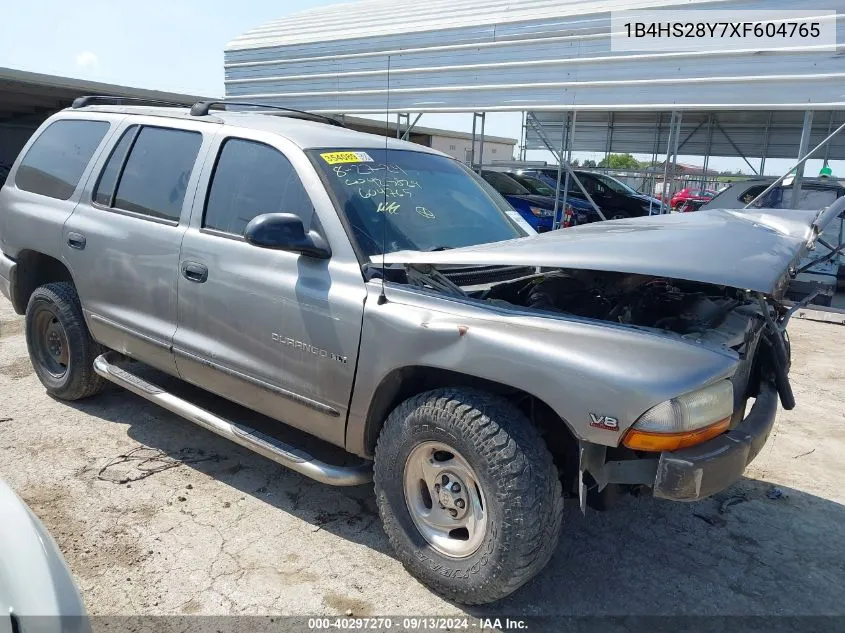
(578, 210)
(616, 199)
(538, 210)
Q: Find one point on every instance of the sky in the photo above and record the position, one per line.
(178, 46)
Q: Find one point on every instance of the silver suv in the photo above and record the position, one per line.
(383, 298)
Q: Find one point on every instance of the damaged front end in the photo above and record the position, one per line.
(710, 280)
(717, 439)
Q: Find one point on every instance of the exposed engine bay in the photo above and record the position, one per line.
(681, 307)
(719, 315)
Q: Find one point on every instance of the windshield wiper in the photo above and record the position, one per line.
(427, 276)
(434, 249)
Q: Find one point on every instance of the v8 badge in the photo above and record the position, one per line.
(604, 422)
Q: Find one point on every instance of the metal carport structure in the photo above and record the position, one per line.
(552, 60)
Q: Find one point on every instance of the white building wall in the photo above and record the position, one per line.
(461, 148)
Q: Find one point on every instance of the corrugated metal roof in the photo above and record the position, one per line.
(775, 134)
(496, 55)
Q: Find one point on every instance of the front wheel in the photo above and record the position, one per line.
(468, 494)
(60, 347)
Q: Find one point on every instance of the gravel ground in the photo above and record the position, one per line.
(157, 516)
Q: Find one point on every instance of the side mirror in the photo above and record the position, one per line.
(285, 232)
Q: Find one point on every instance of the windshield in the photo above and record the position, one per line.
(534, 185)
(613, 184)
(408, 200)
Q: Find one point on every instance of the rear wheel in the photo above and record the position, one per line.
(60, 347)
(468, 494)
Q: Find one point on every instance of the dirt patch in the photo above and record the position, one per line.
(17, 369)
(345, 605)
(89, 546)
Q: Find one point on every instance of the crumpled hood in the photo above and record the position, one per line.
(751, 250)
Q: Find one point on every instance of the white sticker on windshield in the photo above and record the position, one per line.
(520, 222)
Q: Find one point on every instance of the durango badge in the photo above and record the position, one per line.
(604, 422)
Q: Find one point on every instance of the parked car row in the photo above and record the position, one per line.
(532, 194)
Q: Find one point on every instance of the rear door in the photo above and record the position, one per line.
(275, 331)
(122, 241)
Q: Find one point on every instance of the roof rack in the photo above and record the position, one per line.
(201, 108)
(81, 102)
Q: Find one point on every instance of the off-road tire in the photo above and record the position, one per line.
(515, 469)
(79, 380)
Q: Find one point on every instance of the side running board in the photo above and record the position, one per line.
(263, 444)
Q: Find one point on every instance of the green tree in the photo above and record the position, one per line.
(589, 164)
(620, 161)
(575, 163)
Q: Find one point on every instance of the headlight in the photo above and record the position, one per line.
(541, 213)
(684, 421)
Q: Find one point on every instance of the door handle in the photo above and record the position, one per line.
(192, 271)
(76, 240)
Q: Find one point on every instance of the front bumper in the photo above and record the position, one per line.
(697, 472)
(7, 270)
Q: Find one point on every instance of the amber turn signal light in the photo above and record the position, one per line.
(650, 441)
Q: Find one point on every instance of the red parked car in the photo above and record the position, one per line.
(692, 195)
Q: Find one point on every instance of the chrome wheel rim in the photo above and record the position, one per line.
(445, 499)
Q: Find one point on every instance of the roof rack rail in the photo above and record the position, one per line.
(81, 102)
(201, 108)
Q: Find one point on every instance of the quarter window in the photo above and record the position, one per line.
(108, 178)
(58, 157)
(148, 172)
(251, 179)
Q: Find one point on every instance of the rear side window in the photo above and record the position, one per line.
(148, 172)
(251, 179)
(104, 193)
(54, 163)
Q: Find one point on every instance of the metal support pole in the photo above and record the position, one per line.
(481, 145)
(609, 144)
(472, 142)
(523, 147)
(766, 137)
(411, 126)
(651, 179)
(399, 116)
(570, 135)
(543, 137)
(806, 131)
(709, 148)
(564, 133)
(675, 150)
(669, 145)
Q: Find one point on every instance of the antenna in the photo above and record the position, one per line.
(382, 298)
